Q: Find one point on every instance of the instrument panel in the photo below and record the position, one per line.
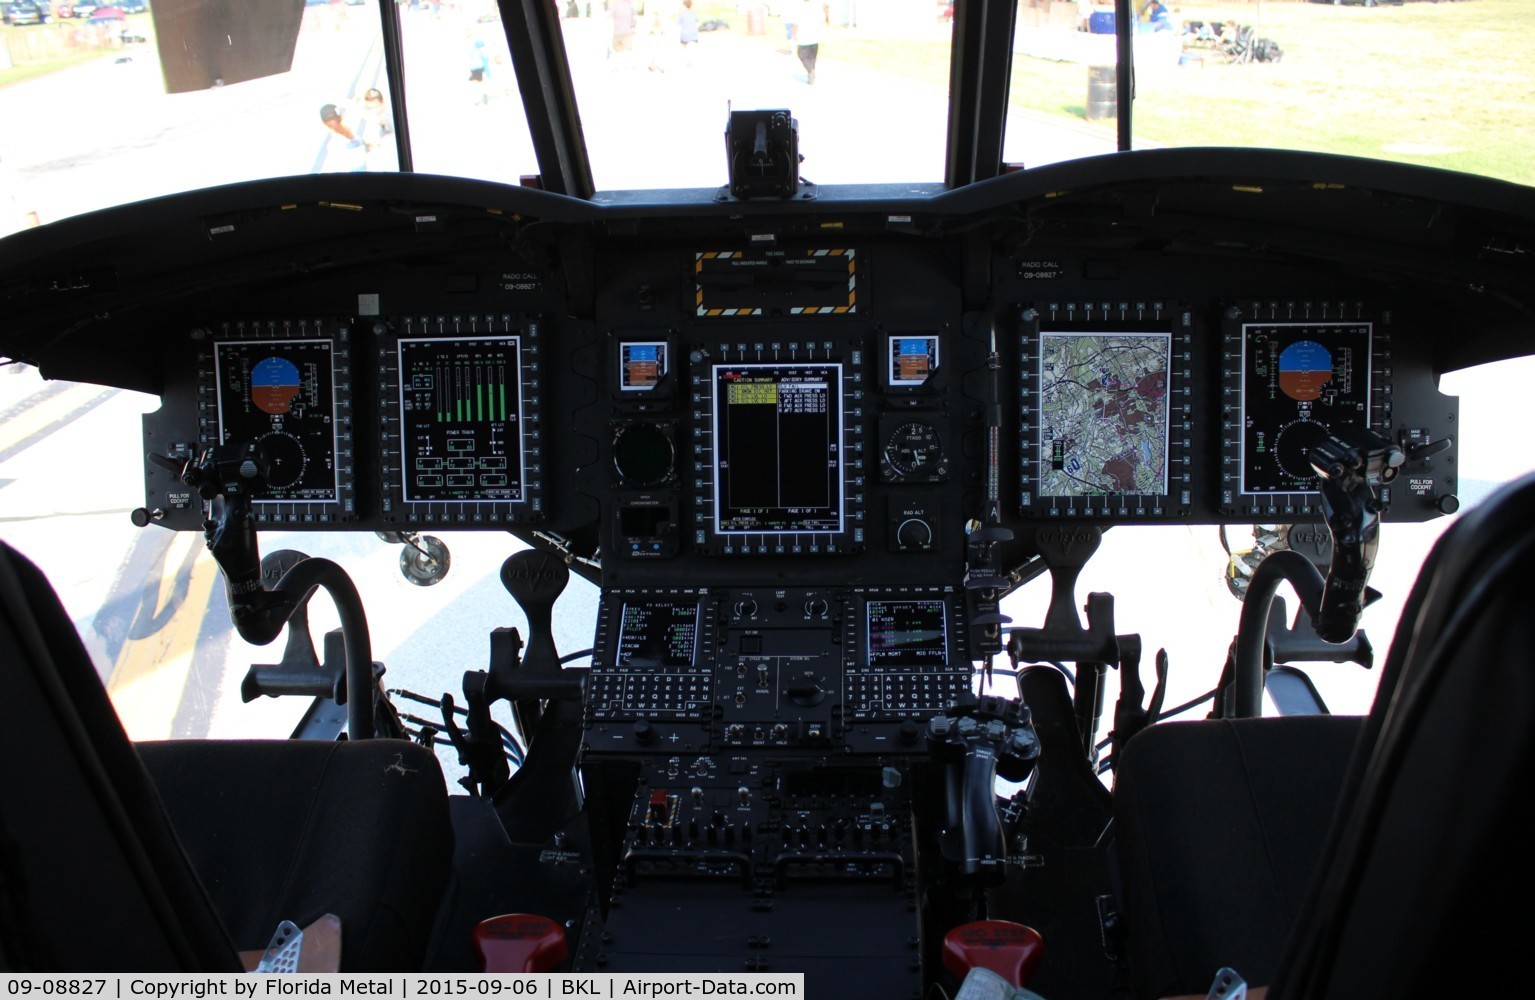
(746, 410)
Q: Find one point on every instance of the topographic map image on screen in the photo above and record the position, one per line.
(1103, 413)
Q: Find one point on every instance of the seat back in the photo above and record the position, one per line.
(1426, 855)
(1353, 857)
(92, 877)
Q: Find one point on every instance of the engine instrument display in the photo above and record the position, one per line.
(1297, 381)
(280, 394)
(461, 435)
(461, 411)
(1104, 418)
(906, 633)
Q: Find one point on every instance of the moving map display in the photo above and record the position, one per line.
(1103, 414)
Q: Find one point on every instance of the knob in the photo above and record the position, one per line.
(815, 607)
(746, 608)
(644, 733)
(141, 517)
(1448, 504)
(914, 533)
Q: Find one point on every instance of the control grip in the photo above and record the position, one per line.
(974, 830)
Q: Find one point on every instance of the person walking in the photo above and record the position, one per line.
(809, 28)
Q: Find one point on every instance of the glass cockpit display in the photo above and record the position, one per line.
(655, 634)
(461, 419)
(280, 396)
(1104, 413)
(1298, 380)
(777, 432)
(907, 633)
(1105, 416)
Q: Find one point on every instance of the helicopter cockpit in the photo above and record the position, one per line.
(828, 465)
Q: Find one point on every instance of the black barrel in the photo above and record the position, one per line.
(1102, 94)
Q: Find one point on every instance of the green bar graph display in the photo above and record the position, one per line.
(460, 415)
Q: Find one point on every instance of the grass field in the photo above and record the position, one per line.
(1440, 84)
(1446, 84)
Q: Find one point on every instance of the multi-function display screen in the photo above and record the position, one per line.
(1299, 380)
(1104, 413)
(778, 448)
(907, 633)
(657, 634)
(461, 419)
(280, 396)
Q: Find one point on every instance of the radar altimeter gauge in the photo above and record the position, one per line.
(912, 452)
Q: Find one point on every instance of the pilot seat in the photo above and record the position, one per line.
(174, 856)
(1335, 857)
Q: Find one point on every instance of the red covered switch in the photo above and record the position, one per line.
(1010, 950)
(520, 942)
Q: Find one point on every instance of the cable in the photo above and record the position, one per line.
(1169, 713)
(577, 655)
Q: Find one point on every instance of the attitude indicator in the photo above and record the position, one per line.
(280, 396)
(1299, 381)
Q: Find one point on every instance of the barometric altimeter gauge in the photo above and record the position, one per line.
(912, 451)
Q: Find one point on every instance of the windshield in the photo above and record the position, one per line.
(104, 106)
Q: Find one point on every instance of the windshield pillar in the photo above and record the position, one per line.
(1124, 67)
(978, 88)
(394, 68)
(537, 46)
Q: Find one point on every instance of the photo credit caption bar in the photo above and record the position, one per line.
(403, 987)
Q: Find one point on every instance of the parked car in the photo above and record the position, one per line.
(27, 12)
(83, 8)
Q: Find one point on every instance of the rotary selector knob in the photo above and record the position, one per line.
(746, 608)
(815, 607)
(914, 533)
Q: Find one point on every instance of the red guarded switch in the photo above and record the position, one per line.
(520, 942)
(1010, 950)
